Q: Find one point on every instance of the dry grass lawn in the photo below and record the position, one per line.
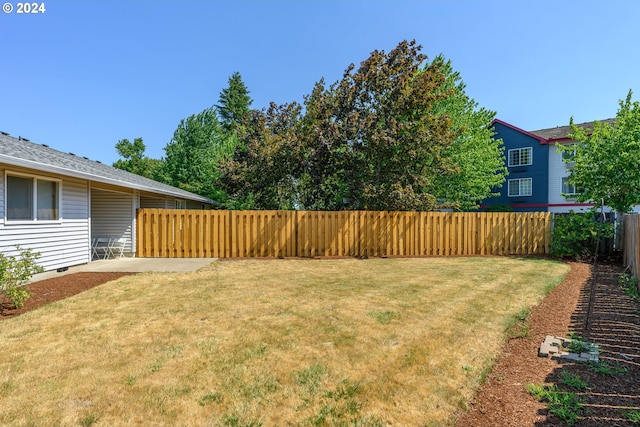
(402, 342)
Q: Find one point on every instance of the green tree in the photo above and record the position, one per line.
(372, 138)
(191, 161)
(479, 157)
(234, 102)
(606, 159)
(262, 172)
(134, 160)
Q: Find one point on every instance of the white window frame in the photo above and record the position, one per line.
(511, 154)
(181, 204)
(520, 182)
(34, 204)
(569, 186)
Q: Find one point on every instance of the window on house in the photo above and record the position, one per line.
(568, 188)
(520, 157)
(567, 156)
(520, 187)
(181, 204)
(30, 198)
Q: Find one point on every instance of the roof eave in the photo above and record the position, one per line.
(14, 161)
(509, 125)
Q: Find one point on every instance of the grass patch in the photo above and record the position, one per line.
(270, 342)
(574, 381)
(632, 415)
(604, 368)
(568, 406)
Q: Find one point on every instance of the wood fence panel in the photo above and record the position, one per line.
(632, 243)
(238, 234)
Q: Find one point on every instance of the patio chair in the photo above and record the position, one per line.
(116, 247)
(100, 247)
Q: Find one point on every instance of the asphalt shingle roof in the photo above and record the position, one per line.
(560, 132)
(22, 152)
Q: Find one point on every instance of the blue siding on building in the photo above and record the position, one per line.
(538, 171)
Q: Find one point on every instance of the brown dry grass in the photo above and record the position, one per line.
(280, 342)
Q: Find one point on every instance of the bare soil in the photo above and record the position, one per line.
(589, 302)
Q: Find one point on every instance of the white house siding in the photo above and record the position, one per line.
(60, 243)
(166, 202)
(558, 170)
(112, 215)
(153, 202)
(192, 204)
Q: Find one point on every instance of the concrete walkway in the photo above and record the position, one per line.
(132, 265)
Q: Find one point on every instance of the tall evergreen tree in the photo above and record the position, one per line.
(234, 102)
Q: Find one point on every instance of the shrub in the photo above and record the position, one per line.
(576, 234)
(15, 271)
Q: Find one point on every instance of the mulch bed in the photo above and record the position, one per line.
(598, 310)
(611, 319)
(54, 289)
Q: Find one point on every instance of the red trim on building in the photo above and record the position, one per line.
(543, 205)
(539, 138)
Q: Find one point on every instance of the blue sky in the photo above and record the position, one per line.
(85, 74)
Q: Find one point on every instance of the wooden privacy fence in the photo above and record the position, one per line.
(169, 233)
(632, 243)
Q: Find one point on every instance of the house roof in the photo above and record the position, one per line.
(559, 133)
(517, 129)
(24, 153)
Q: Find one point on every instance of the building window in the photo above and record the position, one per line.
(568, 188)
(30, 198)
(519, 187)
(181, 204)
(520, 157)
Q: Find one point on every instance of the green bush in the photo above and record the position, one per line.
(576, 234)
(15, 271)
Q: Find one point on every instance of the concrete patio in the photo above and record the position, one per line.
(132, 265)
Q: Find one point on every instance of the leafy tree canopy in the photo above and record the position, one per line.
(396, 133)
(262, 172)
(202, 141)
(372, 138)
(479, 156)
(134, 160)
(191, 155)
(607, 159)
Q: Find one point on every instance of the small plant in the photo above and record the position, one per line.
(630, 286)
(632, 415)
(603, 368)
(567, 406)
(574, 381)
(576, 343)
(15, 272)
